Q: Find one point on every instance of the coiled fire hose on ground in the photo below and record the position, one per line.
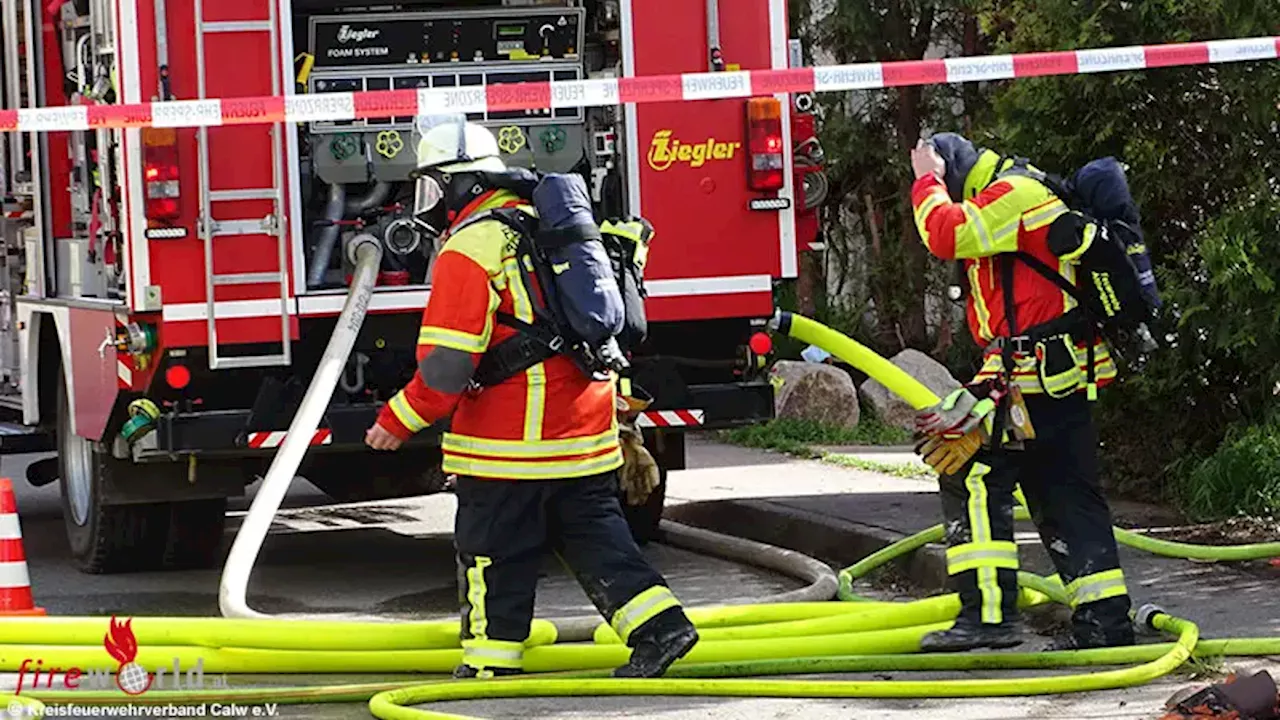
(741, 645)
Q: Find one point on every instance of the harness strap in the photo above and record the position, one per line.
(1092, 326)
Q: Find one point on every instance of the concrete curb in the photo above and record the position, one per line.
(839, 542)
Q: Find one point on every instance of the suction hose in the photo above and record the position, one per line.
(334, 212)
(366, 254)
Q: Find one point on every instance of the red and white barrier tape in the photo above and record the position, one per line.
(504, 97)
(671, 418)
(276, 439)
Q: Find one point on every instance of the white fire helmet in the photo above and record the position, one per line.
(450, 144)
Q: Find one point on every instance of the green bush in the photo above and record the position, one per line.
(1239, 479)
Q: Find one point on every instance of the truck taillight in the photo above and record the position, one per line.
(764, 142)
(160, 173)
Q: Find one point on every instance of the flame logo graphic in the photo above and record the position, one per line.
(120, 642)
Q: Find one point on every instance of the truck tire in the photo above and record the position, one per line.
(194, 539)
(103, 538)
(644, 520)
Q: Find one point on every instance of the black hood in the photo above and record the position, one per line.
(960, 156)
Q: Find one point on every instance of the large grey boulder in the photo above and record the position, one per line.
(814, 391)
(892, 409)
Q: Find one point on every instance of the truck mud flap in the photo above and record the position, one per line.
(231, 432)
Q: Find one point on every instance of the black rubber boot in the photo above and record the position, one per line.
(671, 638)
(968, 635)
(464, 672)
(1122, 637)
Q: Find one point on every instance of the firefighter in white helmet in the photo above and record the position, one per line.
(537, 455)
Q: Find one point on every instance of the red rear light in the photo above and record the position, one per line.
(160, 173)
(761, 344)
(764, 143)
(177, 377)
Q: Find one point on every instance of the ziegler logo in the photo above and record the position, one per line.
(666, 151)
(346, 34)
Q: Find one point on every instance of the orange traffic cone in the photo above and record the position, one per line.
(15, 582)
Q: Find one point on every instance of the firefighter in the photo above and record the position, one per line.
(1029, 404)
(536, 456)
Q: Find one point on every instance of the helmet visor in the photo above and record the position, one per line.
(427, 195)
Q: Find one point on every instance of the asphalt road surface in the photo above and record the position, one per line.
(395, 559)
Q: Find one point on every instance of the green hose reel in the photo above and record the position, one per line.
(143, 415)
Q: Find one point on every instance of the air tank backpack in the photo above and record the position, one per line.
(591, 276)
(1116, 291)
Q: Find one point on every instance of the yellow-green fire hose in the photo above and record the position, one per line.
(740, 645)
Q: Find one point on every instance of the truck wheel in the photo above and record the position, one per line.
(645, 519)
(195, 534)
(668, 452)
(103, 538)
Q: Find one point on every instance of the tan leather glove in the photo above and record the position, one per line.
(639, 475)
(949, 457)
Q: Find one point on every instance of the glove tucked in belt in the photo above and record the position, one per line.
(639, 475)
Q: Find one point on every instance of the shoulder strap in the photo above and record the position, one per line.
(1049, 274)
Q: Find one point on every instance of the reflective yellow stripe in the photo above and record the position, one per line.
(536, 376)
(969, 556)
(1086, 241)
(641, 609)
(974, 231)
(936, 198)
(632, 231)
(478, 621)
(533, 469)
(456, 340)
(1098, 586)
(481, 654)
(405, 413)
(1068, 272)
(1043, 215)
(980, 531)
(1027, 379)
(535, 402)
(522, 449)
(980, 302)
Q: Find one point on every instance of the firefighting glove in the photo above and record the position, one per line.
(639, 476)
(956, 415)
(948, 456)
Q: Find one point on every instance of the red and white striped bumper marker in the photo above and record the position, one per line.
(275, 439)
(672, 418)
(380, 104)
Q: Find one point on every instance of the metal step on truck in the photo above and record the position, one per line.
(168, 290)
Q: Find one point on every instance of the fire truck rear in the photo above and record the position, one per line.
(169, 291)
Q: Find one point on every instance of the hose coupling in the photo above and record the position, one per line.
(359, 241)
(780, 322)
(1146, 615)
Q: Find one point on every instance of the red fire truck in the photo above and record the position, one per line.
(169, 290)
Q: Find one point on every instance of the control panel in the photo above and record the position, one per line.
(406, 51)
(462, 36)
